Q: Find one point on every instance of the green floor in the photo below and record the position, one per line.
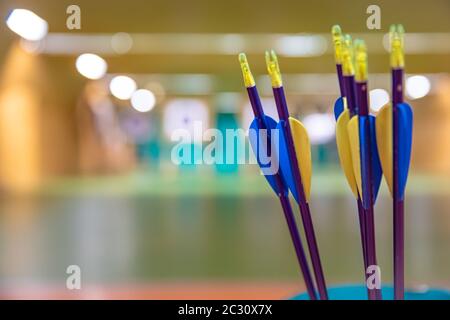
(147, 227)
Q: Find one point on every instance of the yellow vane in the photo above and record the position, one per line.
(336, 33)
(396, 39)
(274, 69)
(361, 73)
(384, 142)
(249, 81)
(353, 135)
(344, 149)
(303, 152)
(348, 67)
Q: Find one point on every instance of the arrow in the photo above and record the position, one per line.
(342, 114)
(362, 144)
(295, 162)
(261, 145)
(363, 127)
(394, 135)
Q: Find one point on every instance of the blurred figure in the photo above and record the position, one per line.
(103, 146)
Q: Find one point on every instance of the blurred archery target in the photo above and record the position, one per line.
(188, 115)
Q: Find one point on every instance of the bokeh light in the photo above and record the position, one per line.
(121, 42)
(417, 87)
(143, 100)
(91, 66)
(122, 87)
(320, 127)
(378, 98)
(27, 24)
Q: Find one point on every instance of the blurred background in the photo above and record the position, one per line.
(86, 119)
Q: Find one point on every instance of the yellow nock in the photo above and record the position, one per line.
(361, 73)
(348, 68)
(336, 33)
(273, 68)
(249, 81)
(396, 35)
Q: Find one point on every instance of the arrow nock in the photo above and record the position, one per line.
(396, 39)
(249, 81)
(348, 67)
(336, 33)
(361, 69)
(274, 69)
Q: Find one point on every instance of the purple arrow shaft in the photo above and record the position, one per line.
(284, 200)
(295, 236)
(367, 179)
(349, 84)
(362, 231)
(361, 216)
(305, 212)
(340, 79)
(398, 203)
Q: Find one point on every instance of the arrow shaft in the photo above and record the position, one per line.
(258, 111)
(367, 179)
(398, 206)
(255, 102)
(305, 212)
(374, 294)
(368, 211)
(283, 114)
(362, 231)
(348, 84)
(340, 79)
(301, 257)
(399, 261)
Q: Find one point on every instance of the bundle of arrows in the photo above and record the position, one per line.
(368, 147)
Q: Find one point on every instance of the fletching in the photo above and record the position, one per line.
(377, 171)
(357, 128)
(385, 139)
(383, 125)
(353, 135)
(405, 122)
(369, 155)
(303, 153)
(339, 107)
(344, 149)
(365, 159)
(260, 144)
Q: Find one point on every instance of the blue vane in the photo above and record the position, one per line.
(260, 143)
(338, 107)
(367, 123)
(405, 122)
(377, 171)
(285, 163)
(364, 155)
